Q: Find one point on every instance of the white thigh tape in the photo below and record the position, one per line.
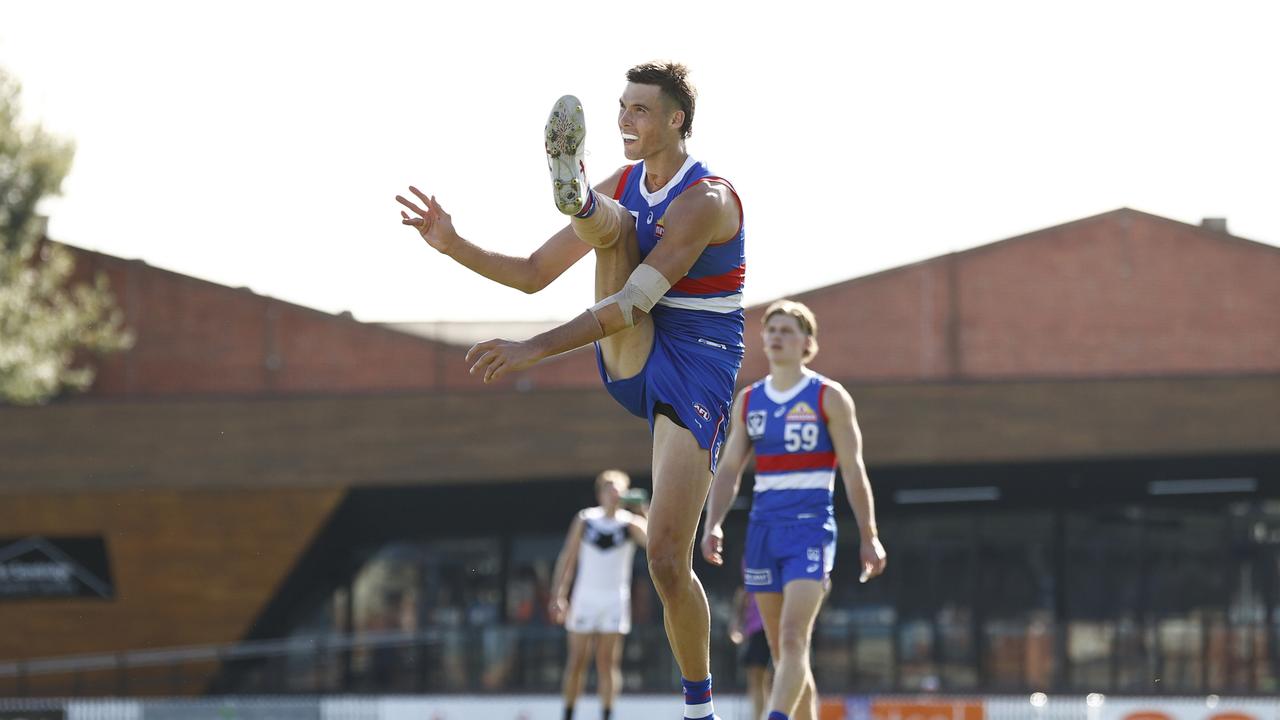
(643, 290)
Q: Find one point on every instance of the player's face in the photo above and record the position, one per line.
(647, 121)
(609, 494)
(784, 340)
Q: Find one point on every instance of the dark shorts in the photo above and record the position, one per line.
(755, 651)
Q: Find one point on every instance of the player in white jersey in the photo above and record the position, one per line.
(598, 555)
(800, 426)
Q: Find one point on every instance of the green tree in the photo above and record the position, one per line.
(48, 325)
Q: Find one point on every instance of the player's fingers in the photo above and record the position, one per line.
(400, 199)
(435, 206)
(421, 195)
(413, 222)
(496, 368)
(478, 349)
(483, 362)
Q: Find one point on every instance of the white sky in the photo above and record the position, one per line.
(261, 144)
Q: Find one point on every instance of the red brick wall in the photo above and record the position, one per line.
(1123, 294)
(196, 337)
(1118, 294)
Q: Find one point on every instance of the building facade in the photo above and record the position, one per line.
(1074, 436)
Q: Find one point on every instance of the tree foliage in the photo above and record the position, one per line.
(48, 325)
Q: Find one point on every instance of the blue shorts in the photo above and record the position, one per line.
(778, 553)
(694, 378)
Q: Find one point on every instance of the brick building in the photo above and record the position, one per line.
(1074, 437)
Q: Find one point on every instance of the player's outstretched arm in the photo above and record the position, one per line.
(527, 274)
(566, 568)
(724, 486)
(842, 425)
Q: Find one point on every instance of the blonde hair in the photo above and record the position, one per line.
(804, 317)
(613, 475)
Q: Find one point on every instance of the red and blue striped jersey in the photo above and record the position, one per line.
(795, 460)
(707, 302)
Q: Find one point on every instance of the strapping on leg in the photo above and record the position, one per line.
(602, 228)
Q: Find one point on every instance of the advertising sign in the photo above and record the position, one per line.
(1186, 709)
(914, 709)
(36, 568)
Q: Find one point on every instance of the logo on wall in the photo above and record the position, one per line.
(36, 568)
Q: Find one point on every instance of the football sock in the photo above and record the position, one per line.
(697, 699)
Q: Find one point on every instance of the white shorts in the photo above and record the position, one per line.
(599, 615)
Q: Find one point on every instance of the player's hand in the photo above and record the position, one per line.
(873, 558)
(713, 546)
(433, 224)
(558, 609)
(494, 358)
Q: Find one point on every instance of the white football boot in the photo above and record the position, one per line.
(566, 135)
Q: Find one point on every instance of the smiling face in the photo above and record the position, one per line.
(648, 120)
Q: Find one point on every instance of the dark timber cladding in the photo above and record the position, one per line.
(462, 436)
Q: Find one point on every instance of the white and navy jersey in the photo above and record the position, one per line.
(706, 304)
(605, 555)
(795, 460)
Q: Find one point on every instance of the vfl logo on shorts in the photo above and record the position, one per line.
(755, 423)
(703, 413)
(753, 576)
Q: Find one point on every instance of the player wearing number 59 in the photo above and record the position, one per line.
(800, 425)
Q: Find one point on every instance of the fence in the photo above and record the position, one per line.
(640, 707)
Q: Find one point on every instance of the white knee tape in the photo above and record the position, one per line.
(603, 228)
(642, 291)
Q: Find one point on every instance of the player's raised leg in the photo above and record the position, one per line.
(601, 222)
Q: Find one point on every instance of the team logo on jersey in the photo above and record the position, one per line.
(703, 413)
(659, 230)
(801, 412)
(755, 423)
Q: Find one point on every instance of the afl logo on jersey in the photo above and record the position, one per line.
(755, 423)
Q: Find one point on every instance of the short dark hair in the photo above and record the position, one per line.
(673, 79)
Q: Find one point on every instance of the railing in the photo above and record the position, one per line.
(855, 655)
(470, 659)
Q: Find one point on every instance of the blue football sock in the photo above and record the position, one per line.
(697, 699)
